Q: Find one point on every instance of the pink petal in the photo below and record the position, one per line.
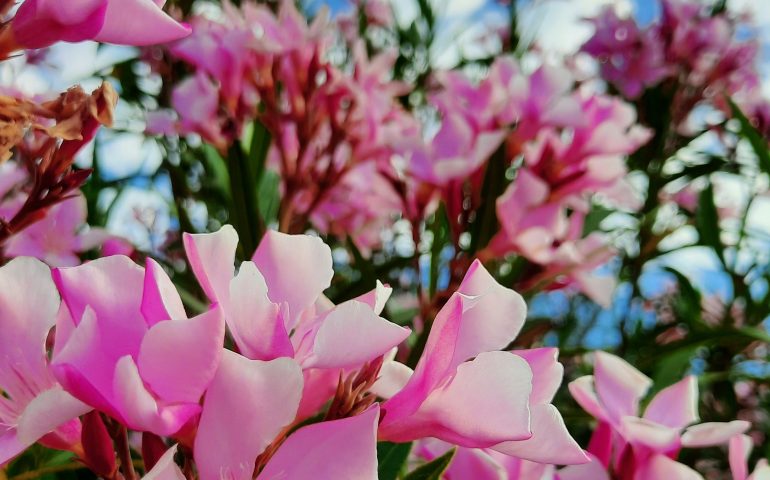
(472, 463)
(351, 335)
(165, 469)
(296, 268)
(377, 297)
(661, 467)
(493, 320)
(28, 308)
(498, 383)
(178, 358)
(246, 406)
(46, 412)
(138, 22)
(343, 449)
(713, 433)
(393, 377)
(582, 390)
(619, 385)
(588, 471)
(255, 322)
(740, 449)
(551, 443)
(675, 406)
(639, 431)
(212, 259)
(547, 372)
(160, 300)
(10, 446)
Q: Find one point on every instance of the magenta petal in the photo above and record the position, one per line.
(246, 406)
(255, 322)
(138, 22)
(713, 433)
(551, 443)
(675, 406)
(340, 449)
(165, 469)
(619, 385)
(160, 300)
(351, 335)
(178, 358)
(212, 259)
(296, 268)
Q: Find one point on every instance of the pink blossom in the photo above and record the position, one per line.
(125, 346)
(461, 372)
(624, 440)
(60, 235)
(740, 449)
(165, 469)
(33, 407)
(274, 307)
(232, 434)
(40, 23)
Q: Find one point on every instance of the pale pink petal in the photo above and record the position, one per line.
(582, 390)
(739, 451)
(343, 449)
(713, 433)
(246, 406)
(212, 259)
(377, 297)
(492, 320)
(296, 268)
(619, 385)
(10, 446)
(138, 22)
(675, 406)
(351, 335)
(46, 412)
(178, 358)
(639, 431)
(588, 471)
(255, 322)
(165, 469)
(467, 463)
(547, 372)
(550, 443)
(761, 472)
(393, 377)
(160, 300)
(661, 467)
(498, 383)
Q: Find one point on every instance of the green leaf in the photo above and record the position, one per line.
(747, 131)
(687, 304)
(595, 217)
(440, 229)
(433, 470)
(707, 222)
(391, 458)
(486, 224)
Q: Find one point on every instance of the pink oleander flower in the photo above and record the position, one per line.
(274, 307)
(644, 448)
(630, 58)
(125, 346)
(740, 449)
(461, 373)
(33, 406)
(40, 23)
(233, 436)
(58, 237)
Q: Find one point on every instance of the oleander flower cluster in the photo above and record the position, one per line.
(367, 259)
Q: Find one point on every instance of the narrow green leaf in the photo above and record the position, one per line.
(433, 470)
(391, 459)
(758, 144)
(707, 222)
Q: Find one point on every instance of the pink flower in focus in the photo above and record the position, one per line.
(33, 406)
(461, 374)
(626, 442)
(40, 23)
(125, 346)
(274, 307)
